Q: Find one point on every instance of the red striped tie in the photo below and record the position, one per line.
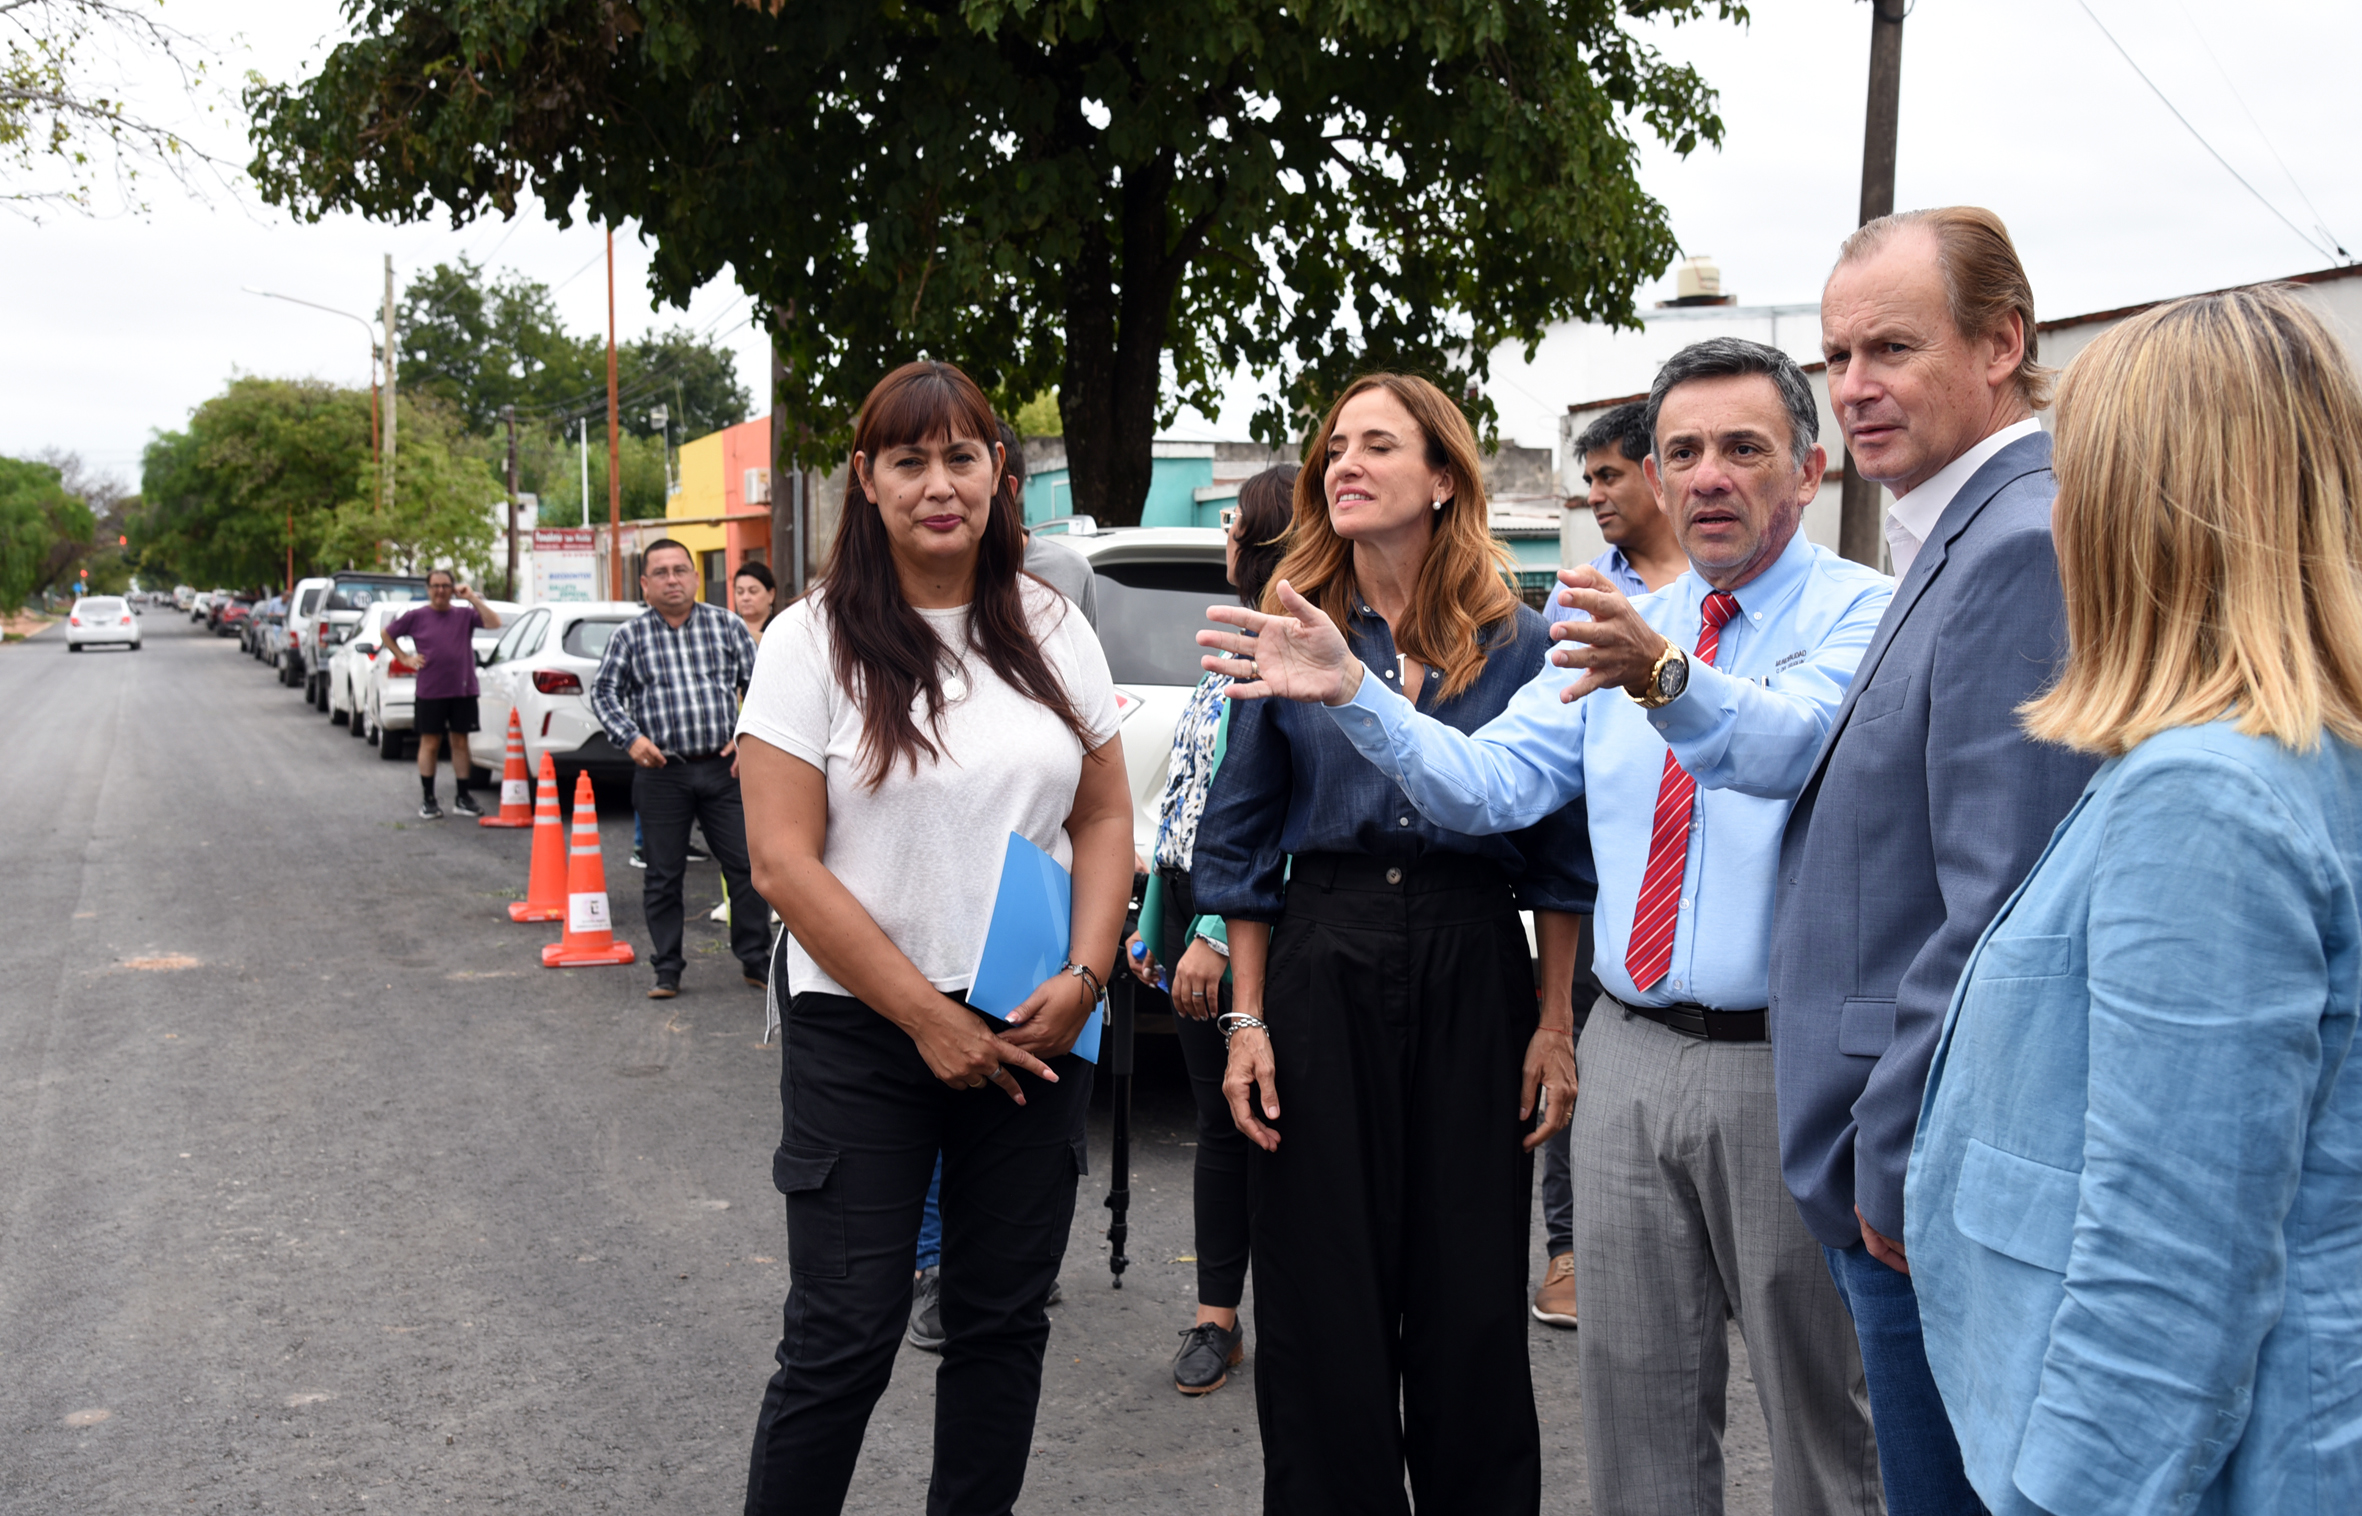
(1649, 953)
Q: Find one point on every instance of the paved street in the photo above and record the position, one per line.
(322, 1195)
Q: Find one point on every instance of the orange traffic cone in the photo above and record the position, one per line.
(590, 932)
(545, 887)
(516, 795)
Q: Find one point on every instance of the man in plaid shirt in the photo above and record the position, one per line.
(667, 692)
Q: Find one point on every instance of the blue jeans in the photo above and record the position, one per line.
(1918, 1457)
(1558, 1193)
(931, 1221)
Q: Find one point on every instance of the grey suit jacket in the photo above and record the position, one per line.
(1925, 809)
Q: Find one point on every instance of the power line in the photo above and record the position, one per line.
(646, 383)
(578, 273)
(2270, 146)
(2193, 131)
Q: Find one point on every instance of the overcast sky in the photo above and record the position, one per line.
(114, 327)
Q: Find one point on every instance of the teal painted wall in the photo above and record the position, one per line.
(1172, 488)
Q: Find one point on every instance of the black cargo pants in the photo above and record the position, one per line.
(864, 1119)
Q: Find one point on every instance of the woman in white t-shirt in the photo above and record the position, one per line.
(926, 701)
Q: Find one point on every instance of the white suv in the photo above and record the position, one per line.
(1154, 584)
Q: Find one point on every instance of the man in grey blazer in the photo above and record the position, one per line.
(1927, 805)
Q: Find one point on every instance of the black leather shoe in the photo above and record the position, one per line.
(665, 989)
(1208, 1353)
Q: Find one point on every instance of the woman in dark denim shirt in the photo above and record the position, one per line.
(1391, 1206)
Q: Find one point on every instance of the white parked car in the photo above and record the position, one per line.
(1154, 584)
(348, 663)
(542, 670)
(98, 620)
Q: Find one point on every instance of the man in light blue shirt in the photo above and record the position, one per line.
(1688, 719)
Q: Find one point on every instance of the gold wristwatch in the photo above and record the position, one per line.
(1667, 680)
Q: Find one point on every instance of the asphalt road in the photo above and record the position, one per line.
(322, 1195)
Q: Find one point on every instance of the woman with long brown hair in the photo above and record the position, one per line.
(1379, 972)
(928, 700)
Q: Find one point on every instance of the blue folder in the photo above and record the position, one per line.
(1032, 916)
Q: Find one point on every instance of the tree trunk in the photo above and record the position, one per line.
(1116, 322)
(1104, 485)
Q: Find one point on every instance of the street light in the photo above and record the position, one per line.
(376, 447)
(375, 351)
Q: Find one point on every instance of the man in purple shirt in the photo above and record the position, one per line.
(446, 664)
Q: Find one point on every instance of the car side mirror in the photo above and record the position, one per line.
(365, 649)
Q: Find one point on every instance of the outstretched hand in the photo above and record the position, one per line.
(1615, 647)
(1298, 656)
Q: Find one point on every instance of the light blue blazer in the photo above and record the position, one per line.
(2134, 1206)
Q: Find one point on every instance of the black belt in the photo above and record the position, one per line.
(1702, 1022)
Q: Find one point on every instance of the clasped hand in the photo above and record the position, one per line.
(963, 1050)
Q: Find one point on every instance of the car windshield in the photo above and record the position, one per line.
(360, 594)
(1149, 616)
(588, 639)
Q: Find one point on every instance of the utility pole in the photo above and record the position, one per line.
(1858, 532)
(614, 444)
(385, 468)
(508, 413)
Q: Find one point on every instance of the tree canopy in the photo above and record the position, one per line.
(268, 458)
(1083, 194)
(65, 118)
(479, 344)
(44, 529)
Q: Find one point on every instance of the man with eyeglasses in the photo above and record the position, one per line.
(667, 692)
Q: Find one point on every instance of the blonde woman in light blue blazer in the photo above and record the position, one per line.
(2134, 1210)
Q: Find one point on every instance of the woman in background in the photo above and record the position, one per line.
(754, 595)
(2134, 1210)
(1189, 954)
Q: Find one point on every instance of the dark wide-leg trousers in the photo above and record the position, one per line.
(864, 1121)
(1390, 1229)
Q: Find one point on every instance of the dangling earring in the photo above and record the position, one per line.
(1438, 505)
